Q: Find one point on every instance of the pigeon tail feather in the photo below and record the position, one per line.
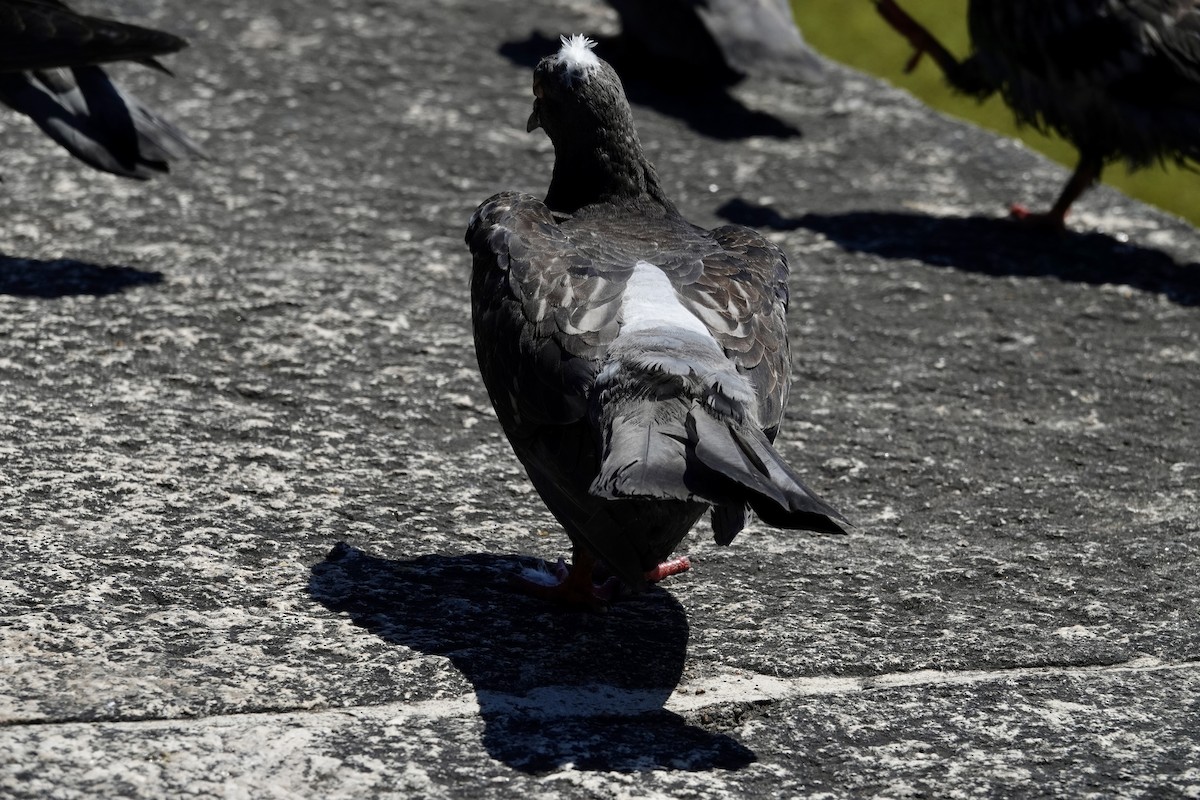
(758, 475)
(678, 424)
(644, 456)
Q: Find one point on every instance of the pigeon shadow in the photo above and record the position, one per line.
(27, 277)
(703, 104)
(554, 687)
(990, 246)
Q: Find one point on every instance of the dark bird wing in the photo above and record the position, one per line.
(1118, 78)
(569, 291)
(97, 121)
(48, 58)
(1179, 42)
(741, 294)
(1144, 52)
(40, 34)
(545, 309)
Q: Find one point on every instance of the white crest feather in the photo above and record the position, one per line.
(577, 56)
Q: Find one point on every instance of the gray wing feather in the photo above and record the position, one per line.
(741, 454)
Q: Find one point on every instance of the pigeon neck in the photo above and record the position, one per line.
(600, 172)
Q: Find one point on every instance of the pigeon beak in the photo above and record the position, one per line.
(535, 119)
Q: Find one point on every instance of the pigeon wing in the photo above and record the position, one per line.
(1133, 48)
(1169, 34)
(544, 308)
(97, 121)
(741, 294)
(41, 34)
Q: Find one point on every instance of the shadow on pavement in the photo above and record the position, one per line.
(27, 277)
(704, 105)
(992, 246)
(554, 687)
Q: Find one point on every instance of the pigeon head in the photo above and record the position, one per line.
(575, 93)
(580, 103)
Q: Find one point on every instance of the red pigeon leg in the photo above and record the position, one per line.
(668, 568)
(1087, 172)
(574, 585)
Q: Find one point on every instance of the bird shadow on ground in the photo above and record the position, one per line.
(991, 246)
(554, 687)
(27, 277)
(704, 106)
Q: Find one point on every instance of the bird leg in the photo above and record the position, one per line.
(668, 568)
(575, 585)
(571, 585)
(1086, 173)
(919, 38)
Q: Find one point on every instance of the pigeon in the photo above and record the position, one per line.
(1119, 79)
(638, 364)
(49, 71)
(724, 39)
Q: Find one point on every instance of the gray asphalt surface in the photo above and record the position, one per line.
(258, 519)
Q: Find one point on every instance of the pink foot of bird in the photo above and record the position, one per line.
(574, 585)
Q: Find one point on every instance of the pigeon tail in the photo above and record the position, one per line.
(755, 473)
(96, 121)
(677, 421)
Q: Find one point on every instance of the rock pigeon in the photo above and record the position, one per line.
(728, 39)
(637, 363)
(48, 71)
(1119, 79)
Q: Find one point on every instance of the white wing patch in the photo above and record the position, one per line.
(650, 301)
(577, 56)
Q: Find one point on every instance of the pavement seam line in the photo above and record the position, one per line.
(729, 688)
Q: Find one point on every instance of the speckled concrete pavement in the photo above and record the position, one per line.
(257, 515)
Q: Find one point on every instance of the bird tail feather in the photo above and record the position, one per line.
(740, 456)
(668, 449)
(643, 457)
